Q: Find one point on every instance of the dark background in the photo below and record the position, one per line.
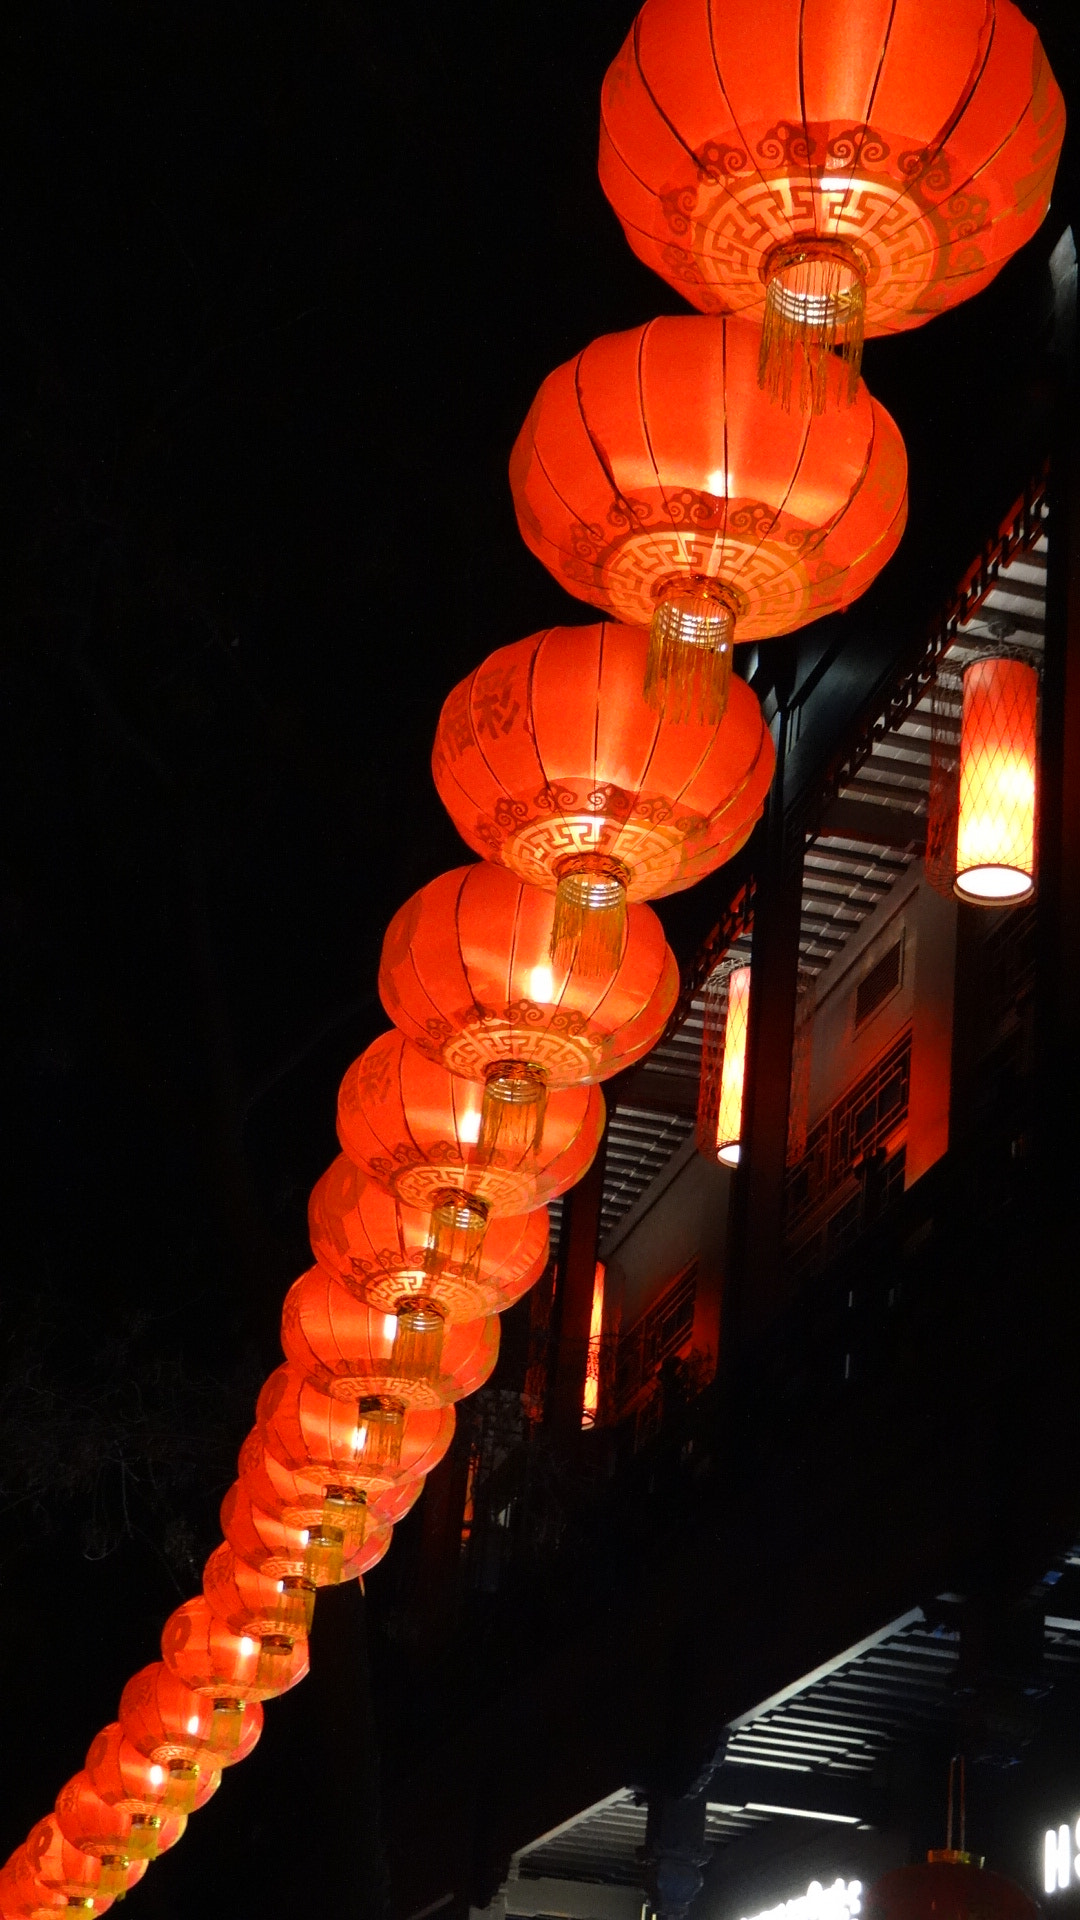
(279, 284)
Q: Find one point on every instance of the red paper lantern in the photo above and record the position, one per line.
(410, 1356)
(654, 479)
(368, 1445)
(302, 1499)
(504, 983)
(826, 166)
(210, 1658)
(320, 1553)
(549, 759)
(167, 1720)
(125, 1778)
(110, 1833)
(384, 1251)
(950, 1886)
(413, 1128)
(55, 1864)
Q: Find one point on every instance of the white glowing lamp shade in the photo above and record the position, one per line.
(999, 771)
(733, 1070)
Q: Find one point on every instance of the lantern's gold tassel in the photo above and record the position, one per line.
(688, 666)
(588, 932)
(456, 1234)
(815, 314)
(418, 1341)
(512, 1116)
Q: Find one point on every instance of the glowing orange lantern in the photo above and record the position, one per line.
(112, 1835)
(55, 1864)
(167, 1720)
(410, 1356)
(549, 759)
(304, 1499)
(723, 1066)
(999, 765)
(125, 1778)
(832, 167)
(369, 1445)
(654, 479)
(321, 1554)
(499, 982)
(414, 1128)
(385, 1251)
(203, 1652)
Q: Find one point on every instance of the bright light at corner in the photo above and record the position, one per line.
(841, 1901)
(541, 986)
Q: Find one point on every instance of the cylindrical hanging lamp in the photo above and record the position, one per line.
(998, 783)
(723, 1066)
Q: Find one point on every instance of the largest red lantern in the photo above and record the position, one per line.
(385, 1251)
(414, 1128)
(505, 984)
(549, 759)
(654, 479)
(829, 166)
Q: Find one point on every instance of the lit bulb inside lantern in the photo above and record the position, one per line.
(389, 1328)
(541, 986)
(193, 1724)
(469, 1128)
(247, 1644)
(359, 1438)
(157, 1776)
(717, 483)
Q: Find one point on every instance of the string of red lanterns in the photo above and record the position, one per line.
(593, 769)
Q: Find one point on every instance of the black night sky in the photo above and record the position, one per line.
(280, 282)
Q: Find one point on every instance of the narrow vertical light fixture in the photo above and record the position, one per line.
(995, 833)
(733, 1070)
(590, 1407)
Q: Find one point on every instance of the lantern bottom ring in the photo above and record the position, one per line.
(993, 886)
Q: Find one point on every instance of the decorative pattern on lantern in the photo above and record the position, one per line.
(485, 974)
(55, 1864)
(205, 1653)
(723, 1065)
(166, 1720)
(832, 169)
(414, 1128)
(110, 1833)
(384, 1251)
(950, 1886)
(369, 1444)
(410, 1356)
(125, 1778)
(653, 473)
(549, 758)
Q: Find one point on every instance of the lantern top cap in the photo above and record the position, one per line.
(954, 1857)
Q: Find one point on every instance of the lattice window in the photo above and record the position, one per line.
(653, 1338)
